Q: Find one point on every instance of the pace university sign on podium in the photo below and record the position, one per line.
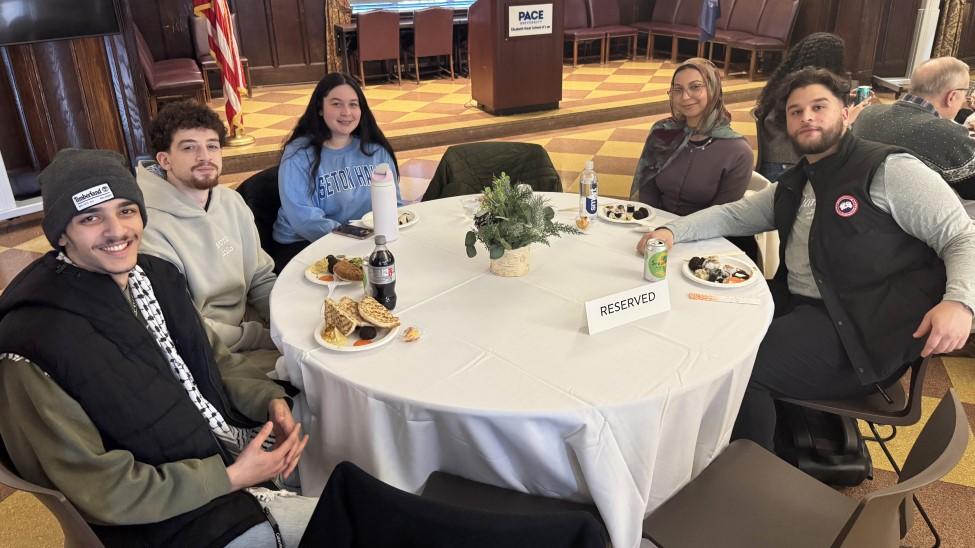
(627, 306)
(529, 20)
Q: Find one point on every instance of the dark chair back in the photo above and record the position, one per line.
(688, 12)
(937, 450)
(77, 532)
(356, 509)
(378, 35)
(664, 11)
(778, 19)
(433, 30)
(575, 14)
(260, 193)
(727, 6)
(146, 60)
(468, 168)
(746, 14)
(605, 13)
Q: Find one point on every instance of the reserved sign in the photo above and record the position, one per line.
(529, 20)
(627, 306)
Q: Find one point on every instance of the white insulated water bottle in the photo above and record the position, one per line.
(384, 213)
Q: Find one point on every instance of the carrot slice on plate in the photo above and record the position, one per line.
(326, 278)
(362, 342)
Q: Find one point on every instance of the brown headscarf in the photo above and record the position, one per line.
(668, 136)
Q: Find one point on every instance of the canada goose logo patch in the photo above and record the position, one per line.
(847, 206)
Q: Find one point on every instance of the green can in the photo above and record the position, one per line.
(655, 261)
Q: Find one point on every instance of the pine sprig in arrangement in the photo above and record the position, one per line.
(513, 216)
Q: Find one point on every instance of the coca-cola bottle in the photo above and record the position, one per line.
(382, 274)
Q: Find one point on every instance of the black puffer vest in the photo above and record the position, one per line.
(78, 328)
(876, 281)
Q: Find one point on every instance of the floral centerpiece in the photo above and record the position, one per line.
(509, 220)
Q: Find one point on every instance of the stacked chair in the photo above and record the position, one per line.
(576, 29)
(604, 16)
(769, 31)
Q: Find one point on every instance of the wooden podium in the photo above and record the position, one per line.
(515, 54)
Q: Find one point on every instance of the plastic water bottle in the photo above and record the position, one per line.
(588, 191)
(382, 274)
(385, 216)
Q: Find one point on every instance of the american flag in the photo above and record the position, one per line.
(223, 47)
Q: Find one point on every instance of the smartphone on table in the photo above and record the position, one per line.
(352, 231)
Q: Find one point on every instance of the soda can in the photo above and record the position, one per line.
(655, 261)
(863, 93)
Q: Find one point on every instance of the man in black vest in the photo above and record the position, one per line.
(878, 259)
(114, 392)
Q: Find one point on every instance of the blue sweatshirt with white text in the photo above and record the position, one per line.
(340, 192)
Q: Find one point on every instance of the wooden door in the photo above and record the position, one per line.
(896, 35)
(284, 40)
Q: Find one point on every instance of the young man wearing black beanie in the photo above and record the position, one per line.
(114, 392)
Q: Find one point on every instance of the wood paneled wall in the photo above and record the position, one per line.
(967, 50)
(284, 40)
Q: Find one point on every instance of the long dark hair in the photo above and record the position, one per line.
(312, 125)
(819, 50)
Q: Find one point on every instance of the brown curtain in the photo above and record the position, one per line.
(948, 38)
(337, 12)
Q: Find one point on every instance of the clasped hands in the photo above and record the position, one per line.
(254, 465)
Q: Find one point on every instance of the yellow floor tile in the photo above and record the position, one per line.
(385, 94)
(569, 161)
(455, 99)
(599, 93)
(595, 70)
(440, 88)
(615, 186)
(398, 105)
(644, 65)
(654, 86)
(626, 79)
(422, 116)
(268, 132)
(257, 120)
(303, 100)
(961, 371)
(598, 135)
(962, 474)
(251, 105)
(621, 149)
(37, 245)
(580, 86)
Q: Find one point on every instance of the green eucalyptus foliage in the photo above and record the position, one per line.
(513, 216)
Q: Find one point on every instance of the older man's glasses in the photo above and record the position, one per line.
(693, 90)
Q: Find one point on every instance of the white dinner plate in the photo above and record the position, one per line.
(336, 279)
(601, 212)
(383, 336)
(413, 218)
(738, 263)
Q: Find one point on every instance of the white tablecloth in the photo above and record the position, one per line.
(507, 387)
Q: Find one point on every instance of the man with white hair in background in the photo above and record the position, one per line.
(922, 122)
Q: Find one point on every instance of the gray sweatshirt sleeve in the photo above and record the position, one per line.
(745, 217)
(925, 207)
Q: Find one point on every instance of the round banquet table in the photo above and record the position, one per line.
(506, 386)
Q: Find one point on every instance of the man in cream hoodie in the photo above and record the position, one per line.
(207, 230)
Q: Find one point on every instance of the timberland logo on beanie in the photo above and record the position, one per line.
(92, 197)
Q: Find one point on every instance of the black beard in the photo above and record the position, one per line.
(830, 137)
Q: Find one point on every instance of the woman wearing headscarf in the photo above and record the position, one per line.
(693, 159)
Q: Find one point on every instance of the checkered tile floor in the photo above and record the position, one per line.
(614, 147)
(441, 104)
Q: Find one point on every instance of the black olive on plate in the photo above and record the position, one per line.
(332, 259)
(696, 263)
(641, 213)
(367, 332)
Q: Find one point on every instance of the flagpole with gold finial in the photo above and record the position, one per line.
(222, 39)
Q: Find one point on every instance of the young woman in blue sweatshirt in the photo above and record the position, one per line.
(327, 164)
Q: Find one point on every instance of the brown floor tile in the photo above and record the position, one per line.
(419, 96)
(634, 72)
(616, 166)
(12, 261)
(584, 78)
(285, 110)
(21, 229)
(620, 87)
(630, 135)
(576, 146)
(936, 380)
(441, 108)
(284, 124)
(385, 116)
(277, 97)
(574, 93)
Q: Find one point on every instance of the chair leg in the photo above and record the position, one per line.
(897, 470)
(250, 86)
(633, 54)
(362, 72)
(575, 53)
(700, 48)
(673, 50)
(727, 59)
(751, 65)
(416, 67)
(649, 46)
(206, 86)
(399, 73)
(451, 66)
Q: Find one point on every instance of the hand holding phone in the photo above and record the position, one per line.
(352, 231)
